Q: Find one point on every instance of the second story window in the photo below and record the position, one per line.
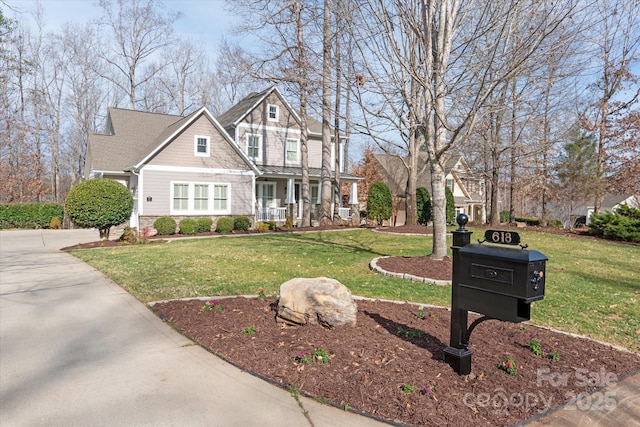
(201, 146)
(254, 146)
(293, 152)
(273, 113)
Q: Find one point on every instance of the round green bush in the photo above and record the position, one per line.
(423, 204)
(204, 225)
(188, 226)
(165, 225)
(379, 202)
(99, 203)
(241, 223)
(224, 225)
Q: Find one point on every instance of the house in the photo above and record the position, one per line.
(583, 210)
(244, 163)
(467, 188)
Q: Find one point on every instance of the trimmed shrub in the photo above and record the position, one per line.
(262, 226)
(288, 222)
(241, 223)
(623, 224)
(272, 225)
(423, 205)
(379, 202)
(224, 225)
(29, 215)
(204, 225)
(505, 216)
(165, 225)
(188, 226)
(451, 205)
(55, 223)
(99, 203)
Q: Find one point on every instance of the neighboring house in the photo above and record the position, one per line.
(246, 163)
(610, 202)
(467, 189)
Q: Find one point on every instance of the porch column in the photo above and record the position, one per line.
(291, 192)
(353, 198)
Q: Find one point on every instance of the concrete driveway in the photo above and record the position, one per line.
(77, 350)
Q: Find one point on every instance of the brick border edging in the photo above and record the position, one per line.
(373, 265)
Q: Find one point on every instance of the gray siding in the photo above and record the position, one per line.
(157, 185)
(180, 151)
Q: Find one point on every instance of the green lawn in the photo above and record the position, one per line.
(592, 287)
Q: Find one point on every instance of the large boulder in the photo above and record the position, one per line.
(321, 300)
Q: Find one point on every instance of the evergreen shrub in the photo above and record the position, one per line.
(188, 226)
(224, 225)
(165, 225)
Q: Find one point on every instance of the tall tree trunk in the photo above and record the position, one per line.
(304, 148)
(325, 218)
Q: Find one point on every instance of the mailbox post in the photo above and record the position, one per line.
(496, 281)
(458, 355)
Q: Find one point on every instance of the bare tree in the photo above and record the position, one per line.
(139, 31)
(616, 39)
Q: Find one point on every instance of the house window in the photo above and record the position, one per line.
(201, 146)
(254, 146)
(201, 197)
(293, 152)
(273, 113)
(220, 197)
(180, 197)
(314, 195)
(450, 183)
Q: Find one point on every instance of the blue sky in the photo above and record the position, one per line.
(204, 21)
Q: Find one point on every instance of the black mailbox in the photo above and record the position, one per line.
(500, 282)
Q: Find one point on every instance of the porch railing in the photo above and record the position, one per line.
(271, 214)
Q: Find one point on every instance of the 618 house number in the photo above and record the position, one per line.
(502, 237)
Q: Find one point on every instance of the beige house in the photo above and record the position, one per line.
(244, 163)
(468, 190)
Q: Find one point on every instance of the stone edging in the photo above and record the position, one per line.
(373, 265)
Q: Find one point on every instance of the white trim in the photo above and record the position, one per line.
(277, 117)
(189, 169)
(191, 198)
(196, 153)
(259, 128)
(262, 98)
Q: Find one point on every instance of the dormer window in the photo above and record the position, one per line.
(201, 146)
(272, 113)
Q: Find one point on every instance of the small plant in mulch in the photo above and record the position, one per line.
(249, 331)
(320, 355)
(303, 358)
(408, 388)
(552, 354)
(536, 348)
(424, 315)
(429, 389)
(212, 305)
(261, 294)
(409, 333)
(509, 366)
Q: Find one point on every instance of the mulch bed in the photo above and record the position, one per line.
(380, 366)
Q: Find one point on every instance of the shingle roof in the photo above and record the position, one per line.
(136, 134)
(297, 171)
(394, 170)
(242, 108)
